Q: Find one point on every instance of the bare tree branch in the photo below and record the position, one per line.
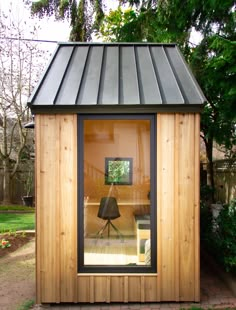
(20, 67)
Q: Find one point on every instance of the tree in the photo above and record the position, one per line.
(85, 15)
(20, 65)
(214, 64)
(213, 60)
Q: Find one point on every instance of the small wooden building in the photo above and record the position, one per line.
(117, 175)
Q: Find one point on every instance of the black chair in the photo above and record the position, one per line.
(108, 210)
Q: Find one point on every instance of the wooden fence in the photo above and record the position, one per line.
(18, 185)
(224, 174)
(225, 180)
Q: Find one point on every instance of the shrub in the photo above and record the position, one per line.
(220, 242)
(225, 238)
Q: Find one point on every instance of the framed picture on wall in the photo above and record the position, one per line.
(118, 170)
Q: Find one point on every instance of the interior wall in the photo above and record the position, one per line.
(117, 139)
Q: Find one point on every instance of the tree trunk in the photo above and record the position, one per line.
(6, 182)
(210, 169)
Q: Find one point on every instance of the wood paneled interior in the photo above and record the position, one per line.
(178, 277)
(124, 138)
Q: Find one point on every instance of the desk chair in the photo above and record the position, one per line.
(108, 210)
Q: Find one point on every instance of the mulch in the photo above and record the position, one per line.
(16, 240)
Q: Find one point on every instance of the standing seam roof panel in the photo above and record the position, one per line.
(73, 77)
(148, 86)
(186, 81)
(54, 75)
(167, 82)
(109, 86)
(129, 92)
(91, 79)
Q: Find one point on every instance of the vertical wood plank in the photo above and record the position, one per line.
(100, 289)
(142, 289)
(150, 288)
(37, 204)
(67, 206)
(75, 199)
(48, 180)
(108, 289)
(176, 207)
(186, 206)
(58, 210)
(134, 282)
(83, 294)
(166, 180)
(117, 289)
(126, 289)
(197, 207)
(159, 190)
(91, 289)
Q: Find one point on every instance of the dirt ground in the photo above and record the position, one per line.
(17, 282)
(17, 272)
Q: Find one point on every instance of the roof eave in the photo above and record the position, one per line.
(116, 109)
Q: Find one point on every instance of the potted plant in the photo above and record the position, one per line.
(28, 185)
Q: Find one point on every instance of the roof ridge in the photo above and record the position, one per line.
(118, 43)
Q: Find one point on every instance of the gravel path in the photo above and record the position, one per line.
(17, 277)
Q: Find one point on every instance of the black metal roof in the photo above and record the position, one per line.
(117, 77)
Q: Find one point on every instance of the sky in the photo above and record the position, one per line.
(50, 29)
(55, 30)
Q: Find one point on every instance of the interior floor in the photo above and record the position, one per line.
(109, 251)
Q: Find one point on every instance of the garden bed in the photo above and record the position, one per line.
(16, 241)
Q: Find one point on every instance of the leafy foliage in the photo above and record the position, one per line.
(120, 26)
(220, 242)
(214, 63)
(85, 15)
(213, 60)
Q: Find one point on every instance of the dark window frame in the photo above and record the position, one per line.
(81, 268)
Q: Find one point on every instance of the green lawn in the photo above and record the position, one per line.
(16, 208)
(13, 222)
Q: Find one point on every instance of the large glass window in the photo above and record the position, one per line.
(117, 212)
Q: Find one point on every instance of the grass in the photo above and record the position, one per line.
(10, 222)
(26, 305)
(17, 208)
